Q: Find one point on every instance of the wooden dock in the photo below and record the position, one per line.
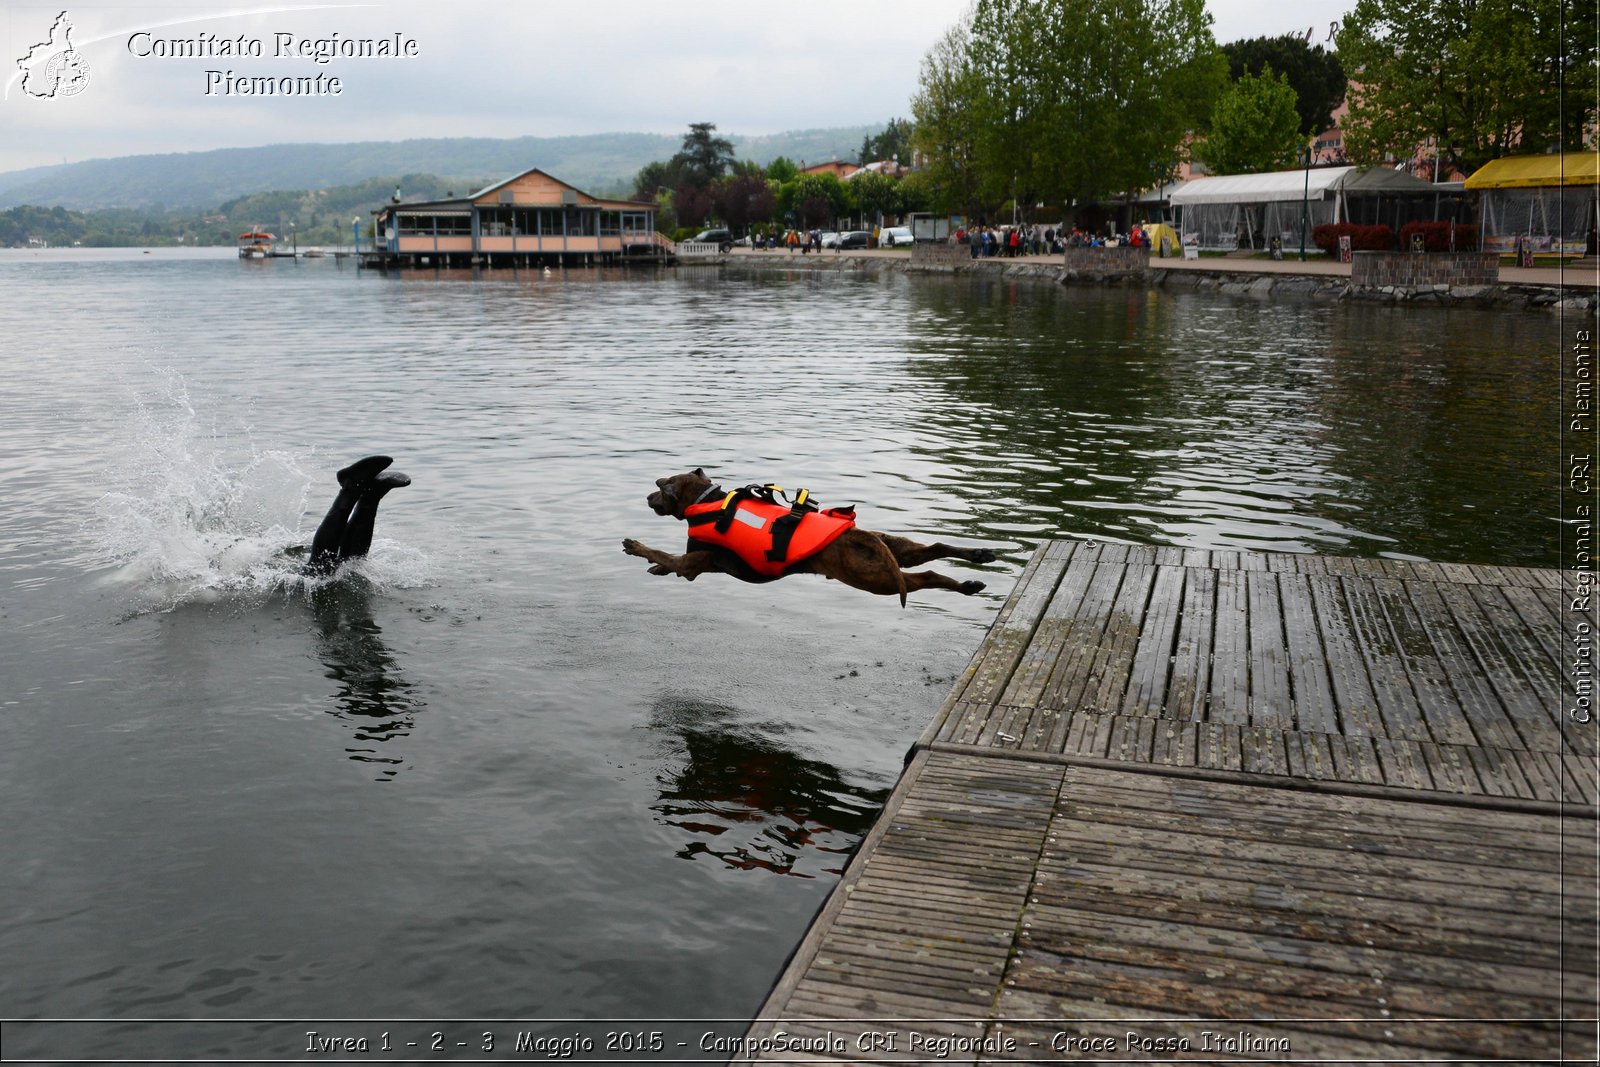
(1227, 805)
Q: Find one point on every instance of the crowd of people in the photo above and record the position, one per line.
(1002, 241)
(1038, 239)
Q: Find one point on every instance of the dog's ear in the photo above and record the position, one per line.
(699, 472)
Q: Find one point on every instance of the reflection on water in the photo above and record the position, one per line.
(747, 801)
(373, 695)
(1180, 419)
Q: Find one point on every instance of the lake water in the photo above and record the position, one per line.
(500, 772)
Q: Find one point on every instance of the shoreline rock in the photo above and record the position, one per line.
(1253, 284)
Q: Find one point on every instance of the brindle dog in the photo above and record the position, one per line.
(861, 559)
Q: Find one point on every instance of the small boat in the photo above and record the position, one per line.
(256, 244)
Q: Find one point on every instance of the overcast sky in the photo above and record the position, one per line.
(493, 69)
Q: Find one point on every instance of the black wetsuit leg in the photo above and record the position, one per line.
(354, 482)
(358, 532)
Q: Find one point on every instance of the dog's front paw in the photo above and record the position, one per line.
(659, 569)
(632, 547)
(982, 555)
(968, 588)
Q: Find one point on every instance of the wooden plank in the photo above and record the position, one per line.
(1441, 712)
(1219, 746)
(1071, 685)
(1490, 933)
(1263, 751)
(1376, 816)
(1174, 744)
(1271, 703)
(1347, 669)
(1525, 708)
(1230, 656)
(1039, 658)
(1190, 678)
(1013, 630)
(1450, 768)
(1486, 716)
(1402, 763)
(1314, 707)
(1152, 657)
(1397, 702)
(1112, 663)
(1582, 778)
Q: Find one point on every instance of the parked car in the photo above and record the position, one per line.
(894, 237)
(721, 238)
(855, 239)
(830, 239)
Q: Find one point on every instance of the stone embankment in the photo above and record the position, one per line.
(1459, 280)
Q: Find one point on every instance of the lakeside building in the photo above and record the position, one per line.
(530, 219)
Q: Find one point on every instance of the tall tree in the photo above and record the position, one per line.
(1066, 100)
(892, 142)
(1254, 126)
(1315, 73)
(654, 177)
(946, 130)
(745, 199)
(704, 157)
(1477, 78)
(782, 170)
(876, 194)
(692, 204)
(814, 198)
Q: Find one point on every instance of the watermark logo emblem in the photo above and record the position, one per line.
(54, 69)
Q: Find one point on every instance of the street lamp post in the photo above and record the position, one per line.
(1305, 198)
(355, 233)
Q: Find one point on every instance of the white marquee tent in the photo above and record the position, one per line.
(1226, 212)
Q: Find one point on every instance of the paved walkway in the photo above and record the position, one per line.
(1548, 277)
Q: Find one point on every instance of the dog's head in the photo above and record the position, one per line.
(676, 493)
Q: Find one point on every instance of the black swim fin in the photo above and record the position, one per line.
(363, 470)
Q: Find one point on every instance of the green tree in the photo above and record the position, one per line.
(1316, 74)
(1065, 100)
(1477, 78)
(782, 170)
(654, 177)
(814, 198)
(946, 129)
(892, 142)
(704, 157)
(1254, 126)
(876, 195)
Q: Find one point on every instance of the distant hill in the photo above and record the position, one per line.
(596, 163)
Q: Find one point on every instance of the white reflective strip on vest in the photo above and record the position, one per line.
(750, 519)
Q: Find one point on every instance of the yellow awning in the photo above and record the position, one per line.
(1525, 172)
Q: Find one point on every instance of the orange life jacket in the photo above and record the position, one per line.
(771, 538)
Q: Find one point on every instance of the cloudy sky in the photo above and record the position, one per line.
(487, 69)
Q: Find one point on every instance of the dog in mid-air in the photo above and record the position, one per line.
(754, 536)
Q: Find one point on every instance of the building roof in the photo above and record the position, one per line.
(1525, 172)
(464, 205)
(1294, 184)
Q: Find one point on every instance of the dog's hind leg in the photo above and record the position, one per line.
(934, 580)
(688, 566)
(909, 553)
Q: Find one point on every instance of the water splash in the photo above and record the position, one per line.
(199, 513)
